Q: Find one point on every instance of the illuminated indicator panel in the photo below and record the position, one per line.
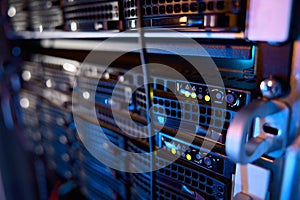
(211, 161)
(197, 173)
(232, 98)
(197, 113)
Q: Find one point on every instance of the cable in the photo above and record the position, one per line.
(143, 57)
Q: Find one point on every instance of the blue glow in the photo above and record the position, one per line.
(72, 126)
(161, 119)
(184, 188)
(106, 101)
(183, 91)
(16, 51)
(170, 146)
(131, 107)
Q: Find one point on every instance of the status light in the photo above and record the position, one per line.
(161, 119)
(188, 157)
(173, 151)
(187, 94)
(194, 95)
(207, 98)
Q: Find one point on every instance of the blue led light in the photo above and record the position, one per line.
(171, 146)
(187, 190)
(16, 51)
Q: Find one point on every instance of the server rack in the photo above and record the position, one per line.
(62, 82)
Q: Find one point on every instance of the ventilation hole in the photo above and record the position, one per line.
(271, 130)
(185, 7)
(177, 8)
(195, 175)
(210, 5)
(174, 175)
(202, 110)
(202, 187)
(162, 9)
(218, 122)
(174, 167)
(132, 12)
(160, 110)
(148, 11)
(202, 119)
(187, 107)
(187, 116)
(169, 9)
(173, 104)
(168, 111)
(167, 103)
(220, 5)
(168, 173)
(226, 125)
(187, 181)
(194, 7)
(194, 183)
(181, 178)
(161, 102)
(209, 182)
(188, 172)
(179, 114)
(228, 115)
(209, 111)
(180, 170)
(218, 113)
(155, 10)
(202, 178)
(195, 108)
(209, 190)
(173, 113)
(202, 6)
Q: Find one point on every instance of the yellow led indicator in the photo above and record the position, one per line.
(183, 19)
(188, 157)
(173, 151)
(207, 98)
(187, 94)
(193, 95)
(151, 94)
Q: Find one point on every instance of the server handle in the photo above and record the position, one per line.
(257, 129)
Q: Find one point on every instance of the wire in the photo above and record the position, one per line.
(143, 57)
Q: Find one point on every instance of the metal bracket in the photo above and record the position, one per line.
(291, 179)
(256, 130)
(251, 133)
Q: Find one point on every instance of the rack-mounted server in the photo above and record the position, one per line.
(78, 16)
(57, 81)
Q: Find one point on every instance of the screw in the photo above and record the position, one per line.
(271, 88)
